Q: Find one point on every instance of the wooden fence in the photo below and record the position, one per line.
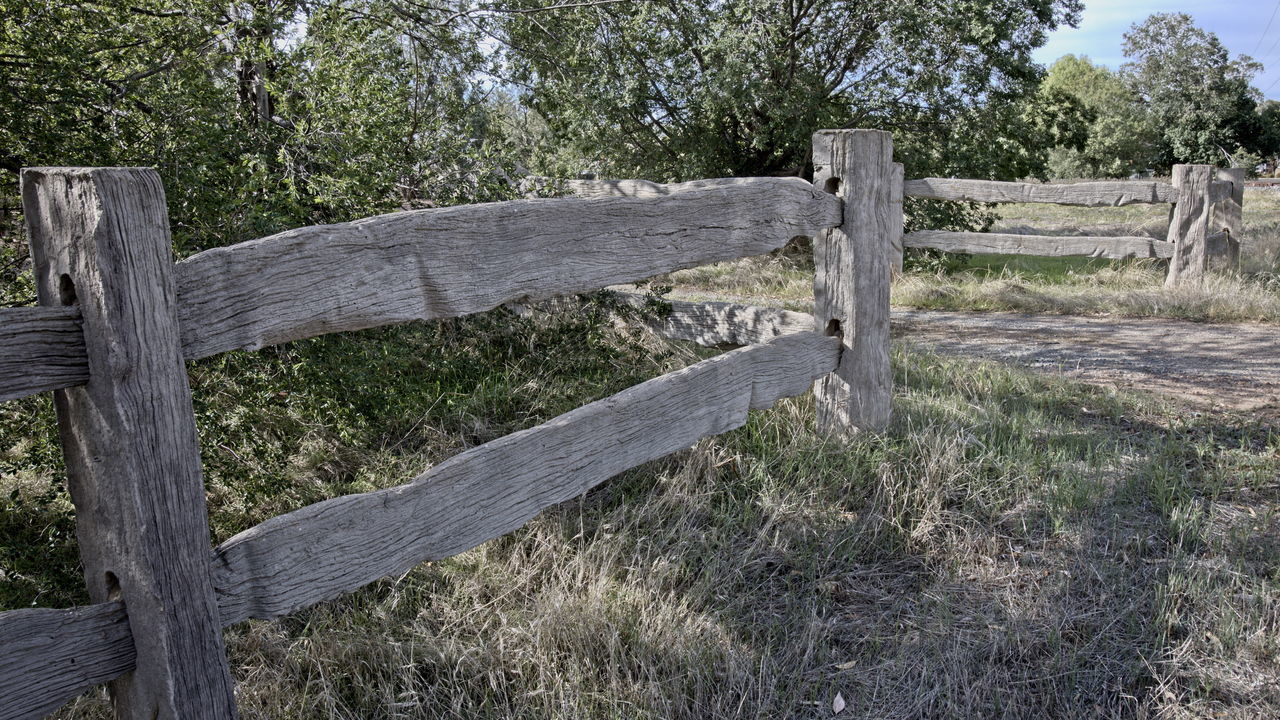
(1204, 222)
(118, 318)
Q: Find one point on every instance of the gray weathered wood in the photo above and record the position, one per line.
(719, 323)
(851, 284)
(1116, 248)
(100, 241)
(636, 188)
(338, 545)
(1228, 215)
(1189, 224)
(1089, 194)
(1220, 187)
(896, 218)
(1219, 246)
(48, 657)
(41, 349)
(454, 261)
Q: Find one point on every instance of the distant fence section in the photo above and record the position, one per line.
(1204, 223)
(118, 319)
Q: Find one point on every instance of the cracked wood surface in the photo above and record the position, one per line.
(1086, 194)
(441, 263)
(100, 242)
(1116, 248)
(335, 546)
(448, 262)
(48, 656)
(41, 349)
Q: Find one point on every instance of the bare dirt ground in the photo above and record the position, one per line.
(1222, 366)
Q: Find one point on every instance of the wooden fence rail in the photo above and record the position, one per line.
(431, 264)
(1116, 248)
(1088, 194)
(118, 318)
(41, 349)
(322, 550)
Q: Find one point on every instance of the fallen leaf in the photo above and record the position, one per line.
(837, 705)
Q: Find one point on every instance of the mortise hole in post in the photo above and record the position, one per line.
(113, 587)
(833, 328)
(832, 185)
(66, 290)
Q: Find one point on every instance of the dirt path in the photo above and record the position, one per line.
(1228, 366)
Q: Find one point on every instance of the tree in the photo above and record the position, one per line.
(674, 89)
(1195, 93)
(259, 114)
(1120, 136)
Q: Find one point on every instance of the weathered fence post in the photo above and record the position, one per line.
(1189, 224)
(851, 284)
(896, 218)
(100, 240)
(1228, 215)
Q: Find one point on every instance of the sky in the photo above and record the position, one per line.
(1241, 25)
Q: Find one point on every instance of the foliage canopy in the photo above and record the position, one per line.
(702, 88)
(1197, 95)
(260, 115)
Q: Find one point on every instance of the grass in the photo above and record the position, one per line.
(1133, 290)
(1076, 286)
(1013, 546)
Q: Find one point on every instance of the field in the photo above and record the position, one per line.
(1013, 546)
(1079, 286)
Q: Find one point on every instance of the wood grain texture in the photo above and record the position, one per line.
(1220, 186)
(896, 218)
(1228, 215)
(852, 265)
(1089, 194)
(636, 188)
(1189, 224)
(41, 349)
(100, 241)
(48, 657)
(714, 324)
(338, 545)
(444, 263)
(1116, 248)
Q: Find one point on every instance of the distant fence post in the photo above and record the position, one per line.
(100, 240)
(1228, 215)
(851, 284)
(1189, 224)
(896, 189)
